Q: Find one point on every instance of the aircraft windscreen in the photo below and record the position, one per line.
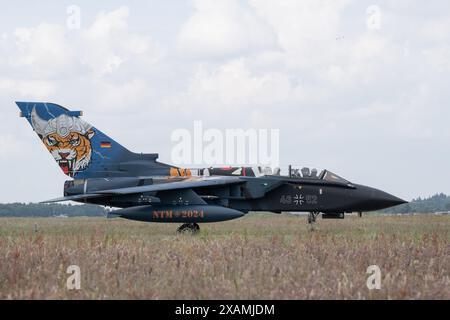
(330, 176)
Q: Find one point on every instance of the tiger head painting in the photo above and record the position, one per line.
(68, 139)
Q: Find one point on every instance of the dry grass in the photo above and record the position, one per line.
(256, 257)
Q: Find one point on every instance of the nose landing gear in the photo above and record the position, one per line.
(312, 217)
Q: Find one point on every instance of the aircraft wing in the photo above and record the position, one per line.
(178, 185)
(185, 184)
(76, 197)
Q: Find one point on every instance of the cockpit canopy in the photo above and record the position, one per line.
(332, 177)
(303, 173)
(312, 174)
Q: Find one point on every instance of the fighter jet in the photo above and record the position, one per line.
(103, 172)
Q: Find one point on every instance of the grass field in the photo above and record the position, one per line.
(256, 257)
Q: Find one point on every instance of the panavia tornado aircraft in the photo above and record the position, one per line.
(103, 172)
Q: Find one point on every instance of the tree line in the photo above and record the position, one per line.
(50, 210)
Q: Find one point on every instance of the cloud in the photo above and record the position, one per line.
(361, 62)
(109, 45)
(113, 97)
(44, 49)
(11, 146)
(305, 29)
(37, 61)
(223, 28)
(36, 89)
(308, 66)
(364, 82)
(104, 47)
(437, 30)
(233, 86)
(437, 53)
(438, 57)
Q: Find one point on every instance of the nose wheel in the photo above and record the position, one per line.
(192, 228)
(312, 217)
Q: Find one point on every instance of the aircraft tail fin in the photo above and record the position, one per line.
(80, 149)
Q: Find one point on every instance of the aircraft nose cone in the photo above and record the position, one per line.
(374, 199)
(385, 199)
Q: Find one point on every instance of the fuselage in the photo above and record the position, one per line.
(104, 172)
(265, 193)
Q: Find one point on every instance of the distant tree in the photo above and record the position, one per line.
(50, 210)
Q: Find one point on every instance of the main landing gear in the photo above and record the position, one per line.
(192, 228)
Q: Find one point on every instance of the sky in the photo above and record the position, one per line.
(357, 87)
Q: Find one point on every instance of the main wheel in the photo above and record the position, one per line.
(195, 228)
(192, 228)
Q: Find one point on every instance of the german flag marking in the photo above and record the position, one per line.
(105, 144)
